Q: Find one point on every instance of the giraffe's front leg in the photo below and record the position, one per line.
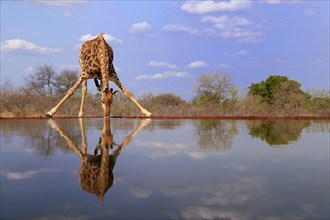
(129, 95)
(83, 94)
(68, 94)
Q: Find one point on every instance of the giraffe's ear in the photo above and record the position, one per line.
(113, 92)
(97, 85)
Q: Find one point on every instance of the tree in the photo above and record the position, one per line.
(7, 87)
(320, 101)
(212, 88)
(275, 88)
(64, 81)
(318, 93)
(290, 98)
(45, 81)
(42, 81)
(279, 132)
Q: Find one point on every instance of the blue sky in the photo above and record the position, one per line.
(163, 46)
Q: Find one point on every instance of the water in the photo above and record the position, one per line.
(164, 169)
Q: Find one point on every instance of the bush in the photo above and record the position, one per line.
(167, 99)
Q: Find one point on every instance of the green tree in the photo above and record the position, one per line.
(275, 88)
(280, 132)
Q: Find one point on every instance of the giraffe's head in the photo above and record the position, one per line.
(106, 97)
(106, 100)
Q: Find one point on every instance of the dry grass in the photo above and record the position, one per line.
(15, 105)
(18, 104)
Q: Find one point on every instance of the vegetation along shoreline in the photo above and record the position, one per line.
(215, 97)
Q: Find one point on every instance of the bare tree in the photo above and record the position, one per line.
(213, 87)
(45, 81)
(41, 81)
(64, 81)
(7, 87)
(318, 93)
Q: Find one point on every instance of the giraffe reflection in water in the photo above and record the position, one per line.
(96, 171)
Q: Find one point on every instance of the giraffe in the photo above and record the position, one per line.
(95, 59)
(96, 171)
(106, 100)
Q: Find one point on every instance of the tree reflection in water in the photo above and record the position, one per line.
(277, 132)
(216, 134)
(96, 171)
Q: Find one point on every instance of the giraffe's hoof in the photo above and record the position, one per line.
(148, 114)
(48, 114)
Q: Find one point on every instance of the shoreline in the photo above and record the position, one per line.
(188, 117)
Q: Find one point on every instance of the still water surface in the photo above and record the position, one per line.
(164, 169)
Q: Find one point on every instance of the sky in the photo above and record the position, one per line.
(163, 46)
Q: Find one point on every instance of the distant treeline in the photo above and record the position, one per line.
(215, 95)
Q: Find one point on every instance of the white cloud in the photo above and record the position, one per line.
(200, 7)
(67, 14)
(197, 155)
(29, 69)
(223, 201)
(223, 26)
(279, 60)
(23, 46)
(163, 75)
(278, 2)
(156, 155)
(318, 62)
(238, 53)
(224, 20)
(161, 64)
(162, 145)
(272, 2)
(140, 27)
(197, 64)
(16, 175)
(180, 28)
(107, 37)
(237, 166)
(179, 191)
(59, 3)
(163, 149)
(222, 65)
(233, 27)
(141, 192)
(69, 66)
(308, 12)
